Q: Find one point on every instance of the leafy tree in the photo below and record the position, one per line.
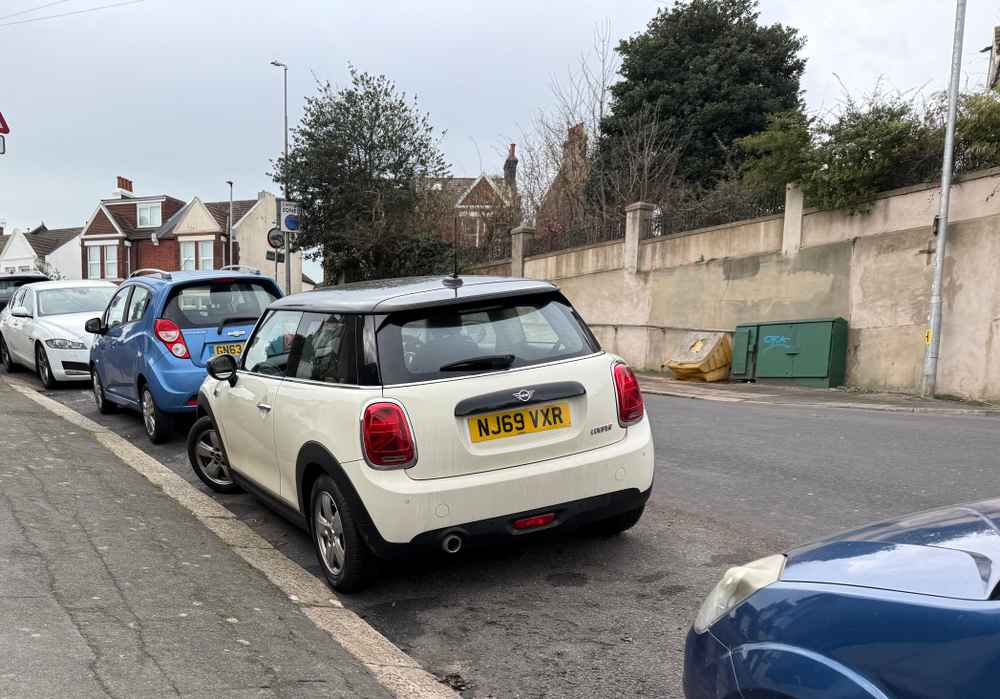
(868, 147)
(713, 73)
(356, 164)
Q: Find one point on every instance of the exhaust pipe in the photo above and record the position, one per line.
(452, 543)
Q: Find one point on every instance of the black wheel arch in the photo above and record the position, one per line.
(315, 460)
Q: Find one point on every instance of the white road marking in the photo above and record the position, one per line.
(394, 669)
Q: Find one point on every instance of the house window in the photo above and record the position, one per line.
(24, 268)
(94, 262)
(206, 255)
(110, 261)
(149, 215)
(188, 261)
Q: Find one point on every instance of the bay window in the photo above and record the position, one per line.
(188, 260)
(206, 256)
(93, 262)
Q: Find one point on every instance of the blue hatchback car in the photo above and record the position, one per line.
(901, 609)
(158, 333)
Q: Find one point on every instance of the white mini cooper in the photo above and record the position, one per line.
(390, 415)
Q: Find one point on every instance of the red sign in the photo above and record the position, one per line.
(3, 125)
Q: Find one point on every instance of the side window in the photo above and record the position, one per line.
(140, 302)
(327, 352)
(116, 309)
(29, 302)
(15, 300)
(271, 346)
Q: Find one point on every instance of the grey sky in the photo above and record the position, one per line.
(178, 94)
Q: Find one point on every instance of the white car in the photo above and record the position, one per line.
(391, 415)
(42, 328)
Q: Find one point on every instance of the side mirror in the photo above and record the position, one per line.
(223, 368)
(94, 326)
(20, 312)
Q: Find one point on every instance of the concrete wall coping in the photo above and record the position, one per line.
(712, 229)
(578, 248)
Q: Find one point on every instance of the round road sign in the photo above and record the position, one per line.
(276, 239)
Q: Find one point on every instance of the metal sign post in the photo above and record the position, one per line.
(290, 222)
(276, 239)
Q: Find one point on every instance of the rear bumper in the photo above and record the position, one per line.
(174, 382)
(579, 488)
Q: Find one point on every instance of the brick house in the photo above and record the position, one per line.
(477, 207)
(128, 232)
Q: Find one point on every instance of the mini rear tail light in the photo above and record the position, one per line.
(536, 521)
(630, 405)
(170, 334)
(386, 436)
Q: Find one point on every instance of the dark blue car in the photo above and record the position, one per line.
(901, 609)
(158, 333)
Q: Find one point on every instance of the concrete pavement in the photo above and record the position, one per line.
(109, 588)
(778, 394)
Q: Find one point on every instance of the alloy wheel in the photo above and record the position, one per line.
(148, 412)
(211, 459)
(42, 361)
(329, 533)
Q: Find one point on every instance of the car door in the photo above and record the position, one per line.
(14, 332)
(245, 410)
(128, 353)
(320, 399)
(111, 357)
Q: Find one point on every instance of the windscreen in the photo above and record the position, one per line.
(92, 299)
(457, 340)
(212, 303)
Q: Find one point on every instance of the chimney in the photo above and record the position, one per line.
(123, 188)
(510, 169)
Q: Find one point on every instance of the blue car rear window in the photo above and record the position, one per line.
(210, 303)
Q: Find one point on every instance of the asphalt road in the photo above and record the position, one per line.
(568, 616)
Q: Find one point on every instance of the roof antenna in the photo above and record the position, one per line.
(453, 282)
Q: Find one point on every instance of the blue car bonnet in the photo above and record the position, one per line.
(950, 552)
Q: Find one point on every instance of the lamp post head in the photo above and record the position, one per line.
(279, 64)
(230, 183)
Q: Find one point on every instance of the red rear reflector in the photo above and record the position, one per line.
(386, 436)
(192, 402)
(536, 521)
(630, 405)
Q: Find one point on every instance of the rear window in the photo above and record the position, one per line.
(209, 304)
(460, 340)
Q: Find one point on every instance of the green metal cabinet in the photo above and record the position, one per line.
(804, 352)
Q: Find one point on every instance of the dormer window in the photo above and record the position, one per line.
(150, 215)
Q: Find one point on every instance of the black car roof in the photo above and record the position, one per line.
(392, 295)
(18, 276)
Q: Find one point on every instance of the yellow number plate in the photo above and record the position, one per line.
(235, 349)
(541, 418)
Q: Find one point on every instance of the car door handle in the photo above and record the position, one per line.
(264, 406)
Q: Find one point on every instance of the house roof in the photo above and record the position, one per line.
(220, 210)
(3, 242)
(464, 191)
(307, 279)
(47, 241)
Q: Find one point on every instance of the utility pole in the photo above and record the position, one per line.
(288, 257)
(934, 330)
(229, 223)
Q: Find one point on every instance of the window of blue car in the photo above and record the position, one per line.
(115, 314)
(89, 299)
(211, 303)
(270, 349)
(138, 305)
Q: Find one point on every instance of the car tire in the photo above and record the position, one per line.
(208, 456)
(159, 425)
(613, 526)
(104, 406)
(343, 555)
(9, 365)
(44, 369)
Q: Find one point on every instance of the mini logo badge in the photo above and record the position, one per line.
(236, 333)
(524, 395)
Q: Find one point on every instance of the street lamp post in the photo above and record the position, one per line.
(229, 223)
(934, 330)
(288, 257)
